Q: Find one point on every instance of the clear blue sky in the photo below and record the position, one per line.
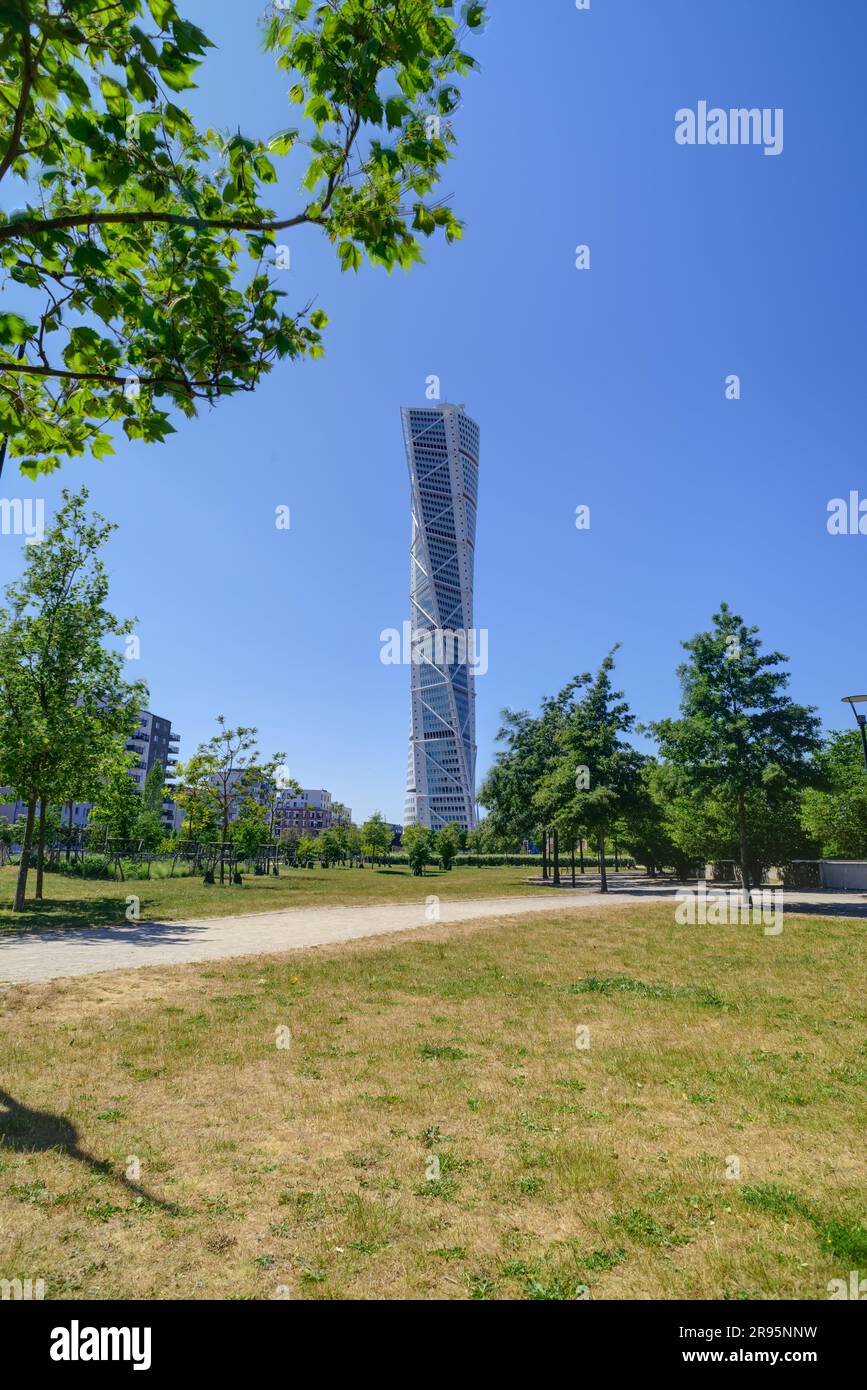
(604, 388)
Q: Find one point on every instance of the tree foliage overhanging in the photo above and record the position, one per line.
(141, 253)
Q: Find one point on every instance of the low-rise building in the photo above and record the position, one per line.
(310, 812)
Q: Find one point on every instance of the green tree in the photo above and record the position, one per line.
(596, 777)
(519, 794)
(272, 789)
(353, 841)
(306, 849)
(8, 837)
(647, 832)
(149, 830)
(703, 825)
(223, 774)
(65, 709)
(154, 789)
(834, 814)
(146, 250)
(418, 843)
(117, 807)
(149, 824)
(376, 836)
(447, 844)
(194, 794)
(331, 846)
(250, 830)
(739, 732)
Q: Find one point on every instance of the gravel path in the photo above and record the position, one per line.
(88, 950)
(52, 955)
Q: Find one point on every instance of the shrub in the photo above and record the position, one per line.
(91, 866)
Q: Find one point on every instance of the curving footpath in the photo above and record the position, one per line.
(51, 955)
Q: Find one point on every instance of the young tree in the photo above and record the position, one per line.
(194, 794)
(417, 841)
(148, 830)
(290, 837)
(597, 775)
(64, 706)
(739, 732)
(224, 773)
(353, 842)
(132, 245)
(517, 793)
(330, 845)
(154, 789)
(271, 791)
(117, 806)
(249, 832)
(306, 850)
(375, 837)
(447, 844)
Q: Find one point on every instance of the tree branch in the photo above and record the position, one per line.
(110, 380)
(29, 226)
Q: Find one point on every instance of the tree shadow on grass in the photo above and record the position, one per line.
(405, 872)
(27, 1131)
(48, 915)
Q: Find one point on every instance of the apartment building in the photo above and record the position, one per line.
(152, 741)
(310, 812)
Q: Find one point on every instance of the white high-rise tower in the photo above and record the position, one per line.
(442, 450)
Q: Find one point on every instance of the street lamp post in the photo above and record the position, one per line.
(860, 720)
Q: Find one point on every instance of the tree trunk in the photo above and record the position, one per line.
(69, 841)
(616, 859)
(573, 863)
(556, 848)
(603, 873)
(21, 885)
(744, 846)
(581, 854)
(544, 854)
(40, 852)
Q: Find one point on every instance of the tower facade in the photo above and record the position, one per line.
(442, 451)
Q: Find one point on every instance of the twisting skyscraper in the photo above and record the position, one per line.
(442, 450)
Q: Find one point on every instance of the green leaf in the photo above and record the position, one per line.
(350, 256)
(319, 110)
(116, 96)
(15, 329)
(397, 110)
(163, 12)
(283, 142)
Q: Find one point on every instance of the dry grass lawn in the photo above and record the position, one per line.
(432, 1131)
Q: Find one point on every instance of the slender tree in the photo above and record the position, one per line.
(447, 843)
(739, 732)
(376, 836)
(596, 775)
(64, 705)
(418, 843)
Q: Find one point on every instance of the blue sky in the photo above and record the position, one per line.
(603, 388)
